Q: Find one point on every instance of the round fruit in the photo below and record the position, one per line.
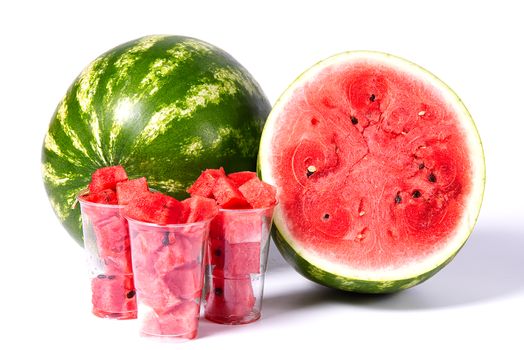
(165, 107)
(380, 172)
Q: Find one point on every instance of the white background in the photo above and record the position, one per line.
(476, 47)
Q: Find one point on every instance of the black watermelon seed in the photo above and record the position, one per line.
(219, 292)
(421, 166)
(432, 178)
(416, 194)
(354, 120)
(165, 240)
(398, 199)
(101, 276)
(130, 294)
(326, 216)
(372, 98)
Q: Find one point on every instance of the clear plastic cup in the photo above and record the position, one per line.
(169, 270)
(237, 253)
(107, 246)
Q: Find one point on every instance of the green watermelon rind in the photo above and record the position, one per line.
(324, 273)
(164, 107)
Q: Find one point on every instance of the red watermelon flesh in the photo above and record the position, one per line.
(228, 196)
(203, 186)
(200, 208)
(127, 190)
(258, 193)
(113, 295)
(380, 170)
(107, 196)
(241, 177)
(155, 207)
(229, 298)
(180, 320)
(234, 260)
(185, 281)
(107, 178)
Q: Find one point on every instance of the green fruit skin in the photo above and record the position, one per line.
(164, 107)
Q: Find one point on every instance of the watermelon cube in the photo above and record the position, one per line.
(107, 196)
(241, 259)
(176, 254)
(113, 296)
(241, 177)
(156, 208)
(127, 190)
(180, 320)
(215, 253)
(185, 281)
(228, 300)
(228, 196)
(258, 193)
(153, 292)
(107, 178)
(242, 227)
(203, 186)
(111, 236)
(200, 208)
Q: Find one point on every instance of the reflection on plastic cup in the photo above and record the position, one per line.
(107, 246)
(168, 266)
(237, 253)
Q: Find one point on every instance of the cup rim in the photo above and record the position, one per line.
(252, 210)
(94, 204)
(183, 225)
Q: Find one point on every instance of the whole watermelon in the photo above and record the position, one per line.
(165, 107)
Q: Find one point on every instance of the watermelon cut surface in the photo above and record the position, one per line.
(380, 172)
(107, 178)
(127, 190)
(241, 177)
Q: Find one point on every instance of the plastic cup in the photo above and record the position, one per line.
(107, 246)
(169, 270)
(237, 253)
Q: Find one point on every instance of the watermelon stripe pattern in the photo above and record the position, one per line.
(165, 107)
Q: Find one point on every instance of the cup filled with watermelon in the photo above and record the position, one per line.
(106, 238)
(238, 244)
(167, 241)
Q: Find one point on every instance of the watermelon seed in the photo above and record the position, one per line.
(165, 240)
(432, 178)
(311, 170)
(354, 120)
(130, 294)
(421, 166)
(398, 199)
(416, 194)
(372, 98)
(111, 277)
(421, 113)
(325, 217)
(101, 276)
(217, 252)
(219, 291)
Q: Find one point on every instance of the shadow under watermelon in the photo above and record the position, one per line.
(490, 266)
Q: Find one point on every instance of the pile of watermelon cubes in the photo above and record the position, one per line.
(167, 241)
(239, 235)
(113, 291)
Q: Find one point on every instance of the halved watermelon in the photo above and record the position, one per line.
(380, 172)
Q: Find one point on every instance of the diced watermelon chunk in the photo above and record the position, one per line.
(200, 208)
(156, 208)
(153, 291)
(107, 196)
(215, 253)
(113, 294)
(258, 193)
(181, 320)
(107, 178)
(176, 253)
(111, 236)
(203, 186)
(229, 298)
(241, 177)
(127, 190)
(241, 259)
(242, 228)
(185, 281)
(228, 196)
